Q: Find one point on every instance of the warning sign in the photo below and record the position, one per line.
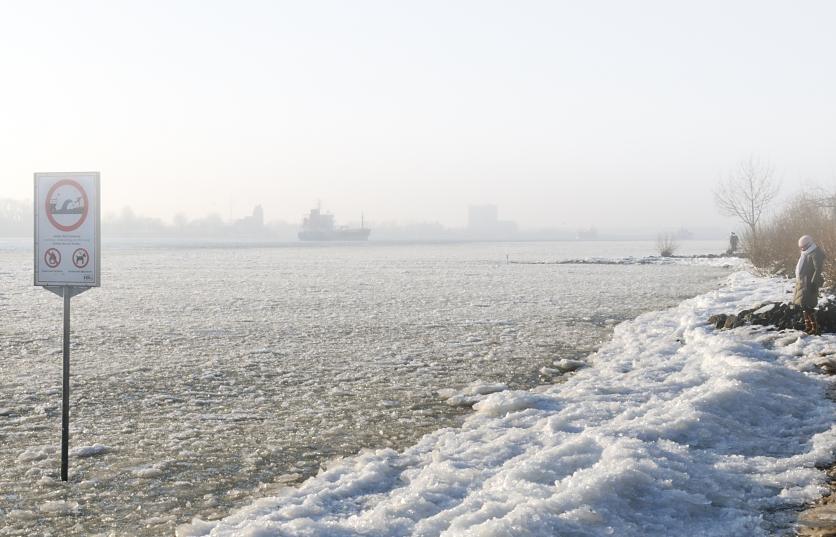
(67, 224)
(80, 258)
(52, 258)
(67, 205)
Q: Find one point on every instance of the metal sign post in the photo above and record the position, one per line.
(65, 390)
(67, 256)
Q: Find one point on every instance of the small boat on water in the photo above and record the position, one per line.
(319, 226)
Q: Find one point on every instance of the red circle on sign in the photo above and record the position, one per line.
(86, 208)
(81, 258)
(52, 258)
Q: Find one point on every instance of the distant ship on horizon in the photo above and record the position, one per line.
(319, 226)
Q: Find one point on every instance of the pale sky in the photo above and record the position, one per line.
(619, 114)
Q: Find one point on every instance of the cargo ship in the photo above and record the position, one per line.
(319, 226)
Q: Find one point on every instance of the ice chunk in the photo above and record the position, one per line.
(502, 403)
(567, 365)
(197, 528)
(147, 472)
(21, 514)
(59, 507)
(89, 451)
(35, 454)
(471, 394)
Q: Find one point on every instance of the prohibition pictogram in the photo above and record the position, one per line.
(81, 258)
(67, 205)
(52, 258)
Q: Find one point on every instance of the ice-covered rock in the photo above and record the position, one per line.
(781, 315)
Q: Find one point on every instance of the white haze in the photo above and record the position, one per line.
(565, 114)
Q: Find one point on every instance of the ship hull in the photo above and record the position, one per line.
(335, 235)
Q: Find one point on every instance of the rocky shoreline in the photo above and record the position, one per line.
(781, 315)
(819, 519)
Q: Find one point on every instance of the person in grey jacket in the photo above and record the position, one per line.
(808, 280)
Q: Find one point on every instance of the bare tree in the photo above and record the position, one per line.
(826, 199)
(666, 244)
(747, 192)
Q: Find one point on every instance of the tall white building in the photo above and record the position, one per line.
(483, 223)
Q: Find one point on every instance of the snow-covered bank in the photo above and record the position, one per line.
(699, 260)
(677, 428)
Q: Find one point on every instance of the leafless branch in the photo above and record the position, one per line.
(747, 192)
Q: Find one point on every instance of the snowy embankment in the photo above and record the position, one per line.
(705, 261)
(676, 428)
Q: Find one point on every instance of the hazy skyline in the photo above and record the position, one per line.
(563, 114)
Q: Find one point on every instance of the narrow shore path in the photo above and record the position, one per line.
(819, 520)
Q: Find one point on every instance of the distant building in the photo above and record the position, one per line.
(258, 216)
(251, 225)
(482, 217)
(483, 223)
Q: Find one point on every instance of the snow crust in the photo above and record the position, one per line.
(719, 261)
(676, 428)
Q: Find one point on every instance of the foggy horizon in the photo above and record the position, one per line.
(603, 115)
(127, 223)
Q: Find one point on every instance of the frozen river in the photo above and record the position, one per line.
(205, 376)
